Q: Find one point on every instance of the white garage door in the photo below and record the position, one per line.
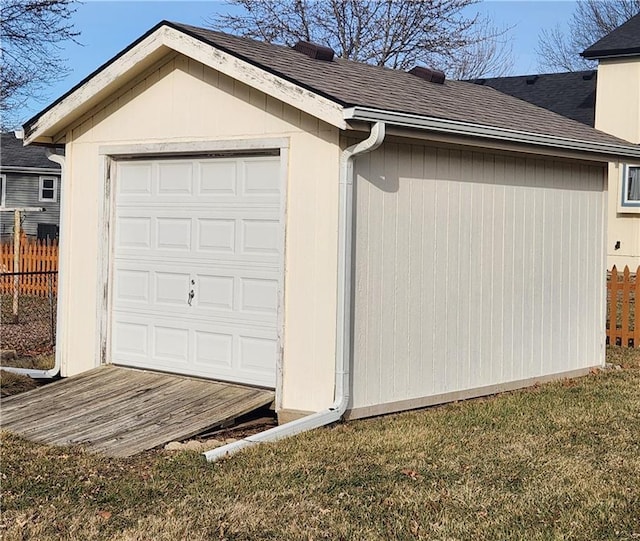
(197, 269)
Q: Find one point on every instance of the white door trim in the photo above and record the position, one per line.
(110, 154)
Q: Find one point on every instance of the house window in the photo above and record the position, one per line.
(48, 189)
(3, 190)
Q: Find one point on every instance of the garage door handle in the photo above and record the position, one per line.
(191, 295)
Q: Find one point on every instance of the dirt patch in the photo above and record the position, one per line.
(33, 334)
(12, 384)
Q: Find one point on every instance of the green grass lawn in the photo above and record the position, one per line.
(558, 461)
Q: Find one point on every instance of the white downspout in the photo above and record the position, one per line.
(343, 315)
(52, 372)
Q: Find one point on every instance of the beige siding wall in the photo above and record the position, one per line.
(618, 113)
(184, 101)
(622, 226)
(473, 269)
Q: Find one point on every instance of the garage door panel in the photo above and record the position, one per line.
(133, 285)
(260, 237)
(213, 227)
(216, 235)
(170, 343)
(246, 180)
(258, 295)
(134, 233)
(235, 319)
(175, 179)
(173, 234)
(192, 347)
(255, 352)
(131, 339)
(216, 292)
(260, 181)
(134, 181)
(171, 288)
(213, 349)
(218, 178)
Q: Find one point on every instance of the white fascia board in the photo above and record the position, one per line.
(255, 77)
(88, 94)
(149, 50)
(454, 127)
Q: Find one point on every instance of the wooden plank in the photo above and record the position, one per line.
(626, 290)
(613, 307)
(121, 411)
(107, 398)
(130, 405)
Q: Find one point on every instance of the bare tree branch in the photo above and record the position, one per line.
(559, 49)
(394, 33)
(31, 34)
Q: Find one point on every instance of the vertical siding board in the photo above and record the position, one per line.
(404, 249)
(449, 161)
(520, 249)
(388, 283)
(599, 268)
(549, 271)
(378, 231)
(430, 257)
(577, 253)
(497, 337)
(595, 270)
(417, 284)
(538, 282)
(441, 271)
(375, 217)
(487, 268)
(466, 240)
(473, 266)
(557, 337)
(361, 271)
(585, 228)
(565, 324)
(508, 271)
(590, 351)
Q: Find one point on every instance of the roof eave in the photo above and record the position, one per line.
(46, 126)
(458, 128)
(597, 54)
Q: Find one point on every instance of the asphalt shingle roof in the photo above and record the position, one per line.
(14, 154)
(356, 84)
(570, 94)
(623, 41)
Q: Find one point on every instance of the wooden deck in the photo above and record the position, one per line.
(121, 411)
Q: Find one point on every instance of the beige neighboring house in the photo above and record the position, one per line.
(360, 239)
(618, 113)
(608, 99)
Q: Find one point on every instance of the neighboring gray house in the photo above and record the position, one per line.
(28, 179)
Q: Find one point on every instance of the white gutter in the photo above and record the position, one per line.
(343, 316)
(456, 127)
(52, 372)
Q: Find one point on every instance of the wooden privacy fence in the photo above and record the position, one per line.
(623, 289)
(36, 256)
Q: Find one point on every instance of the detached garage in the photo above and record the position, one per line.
(362, 240)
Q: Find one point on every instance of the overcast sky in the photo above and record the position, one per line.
(107, 27)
